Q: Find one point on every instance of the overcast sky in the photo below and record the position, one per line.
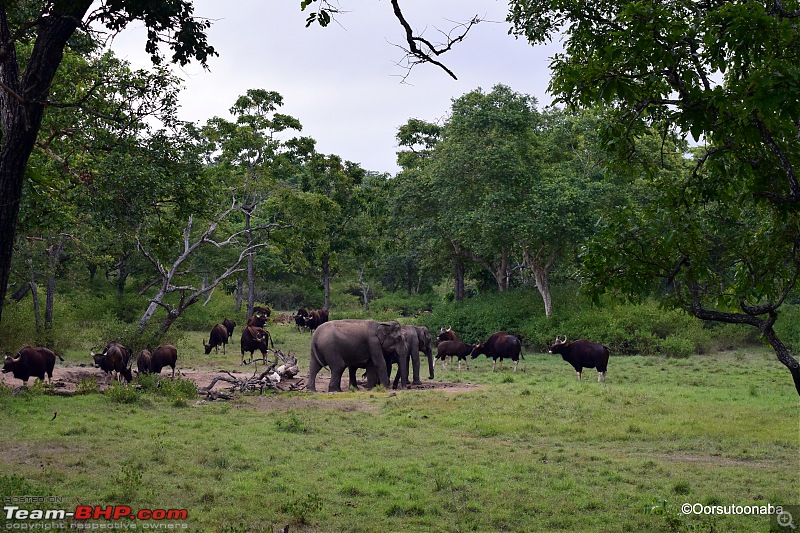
(342, 82)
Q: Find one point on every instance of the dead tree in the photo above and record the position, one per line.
(270, 378)
(189, 294)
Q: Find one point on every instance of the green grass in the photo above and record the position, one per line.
(532, 451)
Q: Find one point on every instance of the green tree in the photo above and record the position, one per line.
(481, 169)
(34, 36)
(94, 140)
(564, 201)
(414, 249)
(253, 148)
(334, 230)
(729, 242)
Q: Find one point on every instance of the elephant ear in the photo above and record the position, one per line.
(385, 329)
(424, 336)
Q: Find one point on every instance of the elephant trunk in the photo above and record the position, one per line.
(429, 354)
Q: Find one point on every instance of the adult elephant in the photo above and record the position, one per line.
(339, 344)
(418, 339)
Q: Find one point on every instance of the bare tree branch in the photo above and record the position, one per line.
(421, 50)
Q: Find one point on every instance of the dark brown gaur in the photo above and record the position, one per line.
(253, 339)
(114, 360)
(217, 338)
(454, 349)
(30, 361)
(143, 361)
(501, 346)
(166, 355)
(229, 325)
(583, 354)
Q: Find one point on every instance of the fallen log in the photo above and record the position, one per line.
(268, 379)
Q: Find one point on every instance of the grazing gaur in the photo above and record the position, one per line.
(219, 336)
(501, 346)
(166, 355)
(30, 361)
(229, 325)
(114, 360)
(144, 361)
(300, 318)
(253, 339)
(454, 348)
(323, 315)
(583, 354)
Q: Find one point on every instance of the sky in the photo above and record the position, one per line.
(343, 82)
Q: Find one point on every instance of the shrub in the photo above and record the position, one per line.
(645, 328)
(87, 385)
(120, 393)
(177, 389)
(291, 424)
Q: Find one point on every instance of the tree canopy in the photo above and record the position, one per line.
(724, 236)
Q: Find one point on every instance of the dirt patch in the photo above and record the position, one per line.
(67, 379)
(712, 460)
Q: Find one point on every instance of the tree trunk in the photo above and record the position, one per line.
(783, 356)
(122, 276)
(458, 279)
(540, 265)
(22, 102)
(409, 276)
(20, 293)
(54, 255)
(500, 272)
(151, 309)
(326, 280)
(364, 289)
(251, 275)
(48, 301)
(542, 278)
(35, 295)
(239, 296)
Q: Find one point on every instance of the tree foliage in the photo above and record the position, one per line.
(725, 235)
(501, 180)
(34, 36)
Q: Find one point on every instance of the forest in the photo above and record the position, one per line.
(630, 194)
(653, 208)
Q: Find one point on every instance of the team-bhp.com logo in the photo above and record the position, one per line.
(96, 512)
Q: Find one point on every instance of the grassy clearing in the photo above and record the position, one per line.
(532, 451)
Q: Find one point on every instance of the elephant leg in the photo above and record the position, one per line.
(402, 370)
(415, 367)
(313, 369)
(353, 381)
(336, 379)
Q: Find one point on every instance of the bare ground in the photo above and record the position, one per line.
(67, 378)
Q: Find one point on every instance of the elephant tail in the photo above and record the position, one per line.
(315, 356)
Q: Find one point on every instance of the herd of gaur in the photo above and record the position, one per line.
(340, 345)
